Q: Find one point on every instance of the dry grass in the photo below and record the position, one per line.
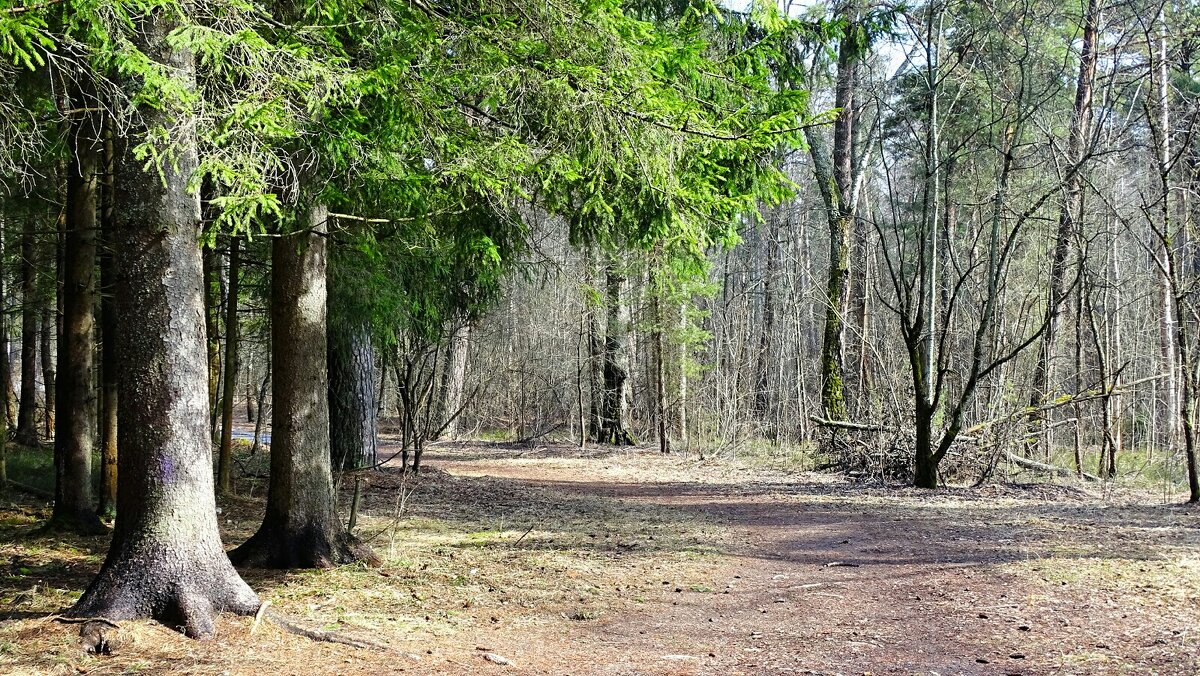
(534, 553)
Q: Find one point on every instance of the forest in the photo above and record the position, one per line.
(600, 336)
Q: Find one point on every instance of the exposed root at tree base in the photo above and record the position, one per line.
(97, 635)
(314, 547)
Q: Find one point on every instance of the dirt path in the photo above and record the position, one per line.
(818, 577)
(559, 561)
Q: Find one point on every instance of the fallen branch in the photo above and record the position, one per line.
(1065, 400)
(1043, 467)
(848, 425)
(24, 488)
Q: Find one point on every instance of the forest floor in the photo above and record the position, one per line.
(549, 559)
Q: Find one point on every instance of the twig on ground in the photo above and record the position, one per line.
(318, 634)
(527, 532)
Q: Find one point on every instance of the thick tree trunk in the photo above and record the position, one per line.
(595, 348)
(76, 387)
(351, 397)
(301, 528)
(615, 401)
(27, 433)
(926, 461)
(225, 457)
(166, 560)
(835, 173)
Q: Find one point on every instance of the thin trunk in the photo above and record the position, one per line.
(76, 388)
(9, 410)
(225, 458)
(27, 433)
(108, 337)
(1078, 406)
(1070, 212)
(5, 364)
(251, 402)
(49, 376)
(261, 406)
(660, 373)
(762, 388)
(211, 312)
(681, 396)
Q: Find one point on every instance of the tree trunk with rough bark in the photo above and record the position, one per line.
(615, 400)
(456, 379)
(352, 440)
(76, 387)
(301, 528)
(213, 341)
(835, 172)
(166, 560)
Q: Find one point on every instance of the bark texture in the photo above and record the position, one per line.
(73, 506)
(301, 528)
(615, 397)
(351, 396)
(455, 381)
(166, 560)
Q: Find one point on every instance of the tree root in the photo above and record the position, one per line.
(317, 634)
(100, 635)
(97, 635)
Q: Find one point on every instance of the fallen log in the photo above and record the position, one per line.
(1049, 469)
